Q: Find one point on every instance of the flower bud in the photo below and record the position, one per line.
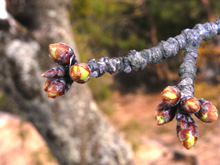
(187, 138)
(164, 114)
(187, 130)
(171, 95)
(56, 88)
(80, 73)
(208, 112)
(190, 105)
(55, 72)
(60, 53)
(47, 83)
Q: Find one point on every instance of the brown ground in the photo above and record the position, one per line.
(134, 117)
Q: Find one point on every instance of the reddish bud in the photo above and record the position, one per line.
(56, 88)
(208, 112)
(187, 130)
(60, 53)
(80, 73)
(171, 95)
(187, 138)
(190, 104)
(164, 114)
(47, 83)
(55, 72)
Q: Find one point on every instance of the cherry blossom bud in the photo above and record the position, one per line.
(60, 53)
(56, 88)
(187, 130)
(190, 104)
(80, 73)
(171, 95)
(187, 138)
(55, 72)
(47, 83)
(164, 114)
(208, 112)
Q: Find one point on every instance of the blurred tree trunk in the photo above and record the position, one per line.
(162, 69)
(72, 126)
(208, 10)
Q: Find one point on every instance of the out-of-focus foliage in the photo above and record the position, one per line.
(113, 27)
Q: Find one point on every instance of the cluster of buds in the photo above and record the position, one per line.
(178, 102)
(60, 78)
(184, 107)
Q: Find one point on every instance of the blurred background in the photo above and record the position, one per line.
(112, 28)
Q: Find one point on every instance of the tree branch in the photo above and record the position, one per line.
(135, 60)
(179, 101)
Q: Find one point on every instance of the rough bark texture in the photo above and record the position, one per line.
(72, 126)
(189, 41)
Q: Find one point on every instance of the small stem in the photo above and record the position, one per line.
(187, 70)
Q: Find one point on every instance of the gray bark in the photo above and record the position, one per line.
(189, 41)
(74, 129)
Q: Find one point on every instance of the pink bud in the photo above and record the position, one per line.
(60, 53)
(164, 114)
(80, 73)
(208, 112)
(187, 130)
(56, 88)
(55, 72)
(190, 104)
(47, 83)
(171, 95)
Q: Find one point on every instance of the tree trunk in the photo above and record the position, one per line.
(72, 126)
